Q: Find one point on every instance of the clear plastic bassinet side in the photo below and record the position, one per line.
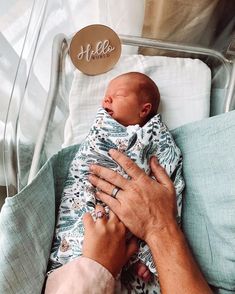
(39, 124)
(15, 18)
(24, 84)
(26, 107)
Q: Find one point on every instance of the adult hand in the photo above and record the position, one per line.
(105, 241)
(148, 209)
(145, 205)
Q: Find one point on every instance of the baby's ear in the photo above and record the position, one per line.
(145, 109)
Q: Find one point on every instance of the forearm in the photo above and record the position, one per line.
(178, 271)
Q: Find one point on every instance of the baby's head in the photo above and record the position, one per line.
(131, 98)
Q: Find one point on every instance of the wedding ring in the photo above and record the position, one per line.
(114, 192)
(99, 214)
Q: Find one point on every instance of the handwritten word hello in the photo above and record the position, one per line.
(102, 49)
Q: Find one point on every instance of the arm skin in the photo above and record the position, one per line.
(178, 271)
(155, 224)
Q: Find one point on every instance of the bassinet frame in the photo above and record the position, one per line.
(213, 58)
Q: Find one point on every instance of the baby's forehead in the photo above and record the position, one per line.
(126, 80)
(128, 76)
(121, 78)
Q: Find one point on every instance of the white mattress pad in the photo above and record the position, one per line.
(184, 86)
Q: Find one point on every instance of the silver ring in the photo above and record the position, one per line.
(114, 192)
(99, 214)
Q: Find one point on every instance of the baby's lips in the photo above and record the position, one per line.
(110, 112)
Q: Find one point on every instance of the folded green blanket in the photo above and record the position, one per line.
(27, 220)
(208, 149)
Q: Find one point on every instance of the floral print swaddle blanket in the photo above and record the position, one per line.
(139, 143)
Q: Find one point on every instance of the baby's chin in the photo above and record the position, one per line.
(121, 122)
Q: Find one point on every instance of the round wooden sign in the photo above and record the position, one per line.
(95, 49)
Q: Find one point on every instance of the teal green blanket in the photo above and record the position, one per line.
(27, 220)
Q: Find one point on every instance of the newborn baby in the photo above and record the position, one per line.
(127, 122)
(131, 98)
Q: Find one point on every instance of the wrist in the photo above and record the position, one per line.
(164, 238)
(104, 262)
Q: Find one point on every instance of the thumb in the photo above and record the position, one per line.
(159, 172)
(132, 247)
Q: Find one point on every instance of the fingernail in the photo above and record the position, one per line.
(152, 159)
(91, 167)
(89, 177)
(111, 151)
(155, 159)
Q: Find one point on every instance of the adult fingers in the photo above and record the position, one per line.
(87, 220)
(113, 203)
(127, 164)
(132, 247)
(100, 214)
(108, 175)
(113, 217)
(160, 173)
(101, 184)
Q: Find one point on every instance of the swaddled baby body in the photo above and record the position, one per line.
(128, 122)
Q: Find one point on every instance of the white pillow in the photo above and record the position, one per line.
(184, 86)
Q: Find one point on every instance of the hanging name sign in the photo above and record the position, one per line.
(95, 49)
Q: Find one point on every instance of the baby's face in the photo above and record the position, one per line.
(122, 101)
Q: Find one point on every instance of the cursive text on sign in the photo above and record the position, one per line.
(102, 49)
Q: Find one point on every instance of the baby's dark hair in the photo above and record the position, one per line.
(148, 91)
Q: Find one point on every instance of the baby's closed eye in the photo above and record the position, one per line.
(121, 94)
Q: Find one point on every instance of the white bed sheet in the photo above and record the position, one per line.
(184, 85)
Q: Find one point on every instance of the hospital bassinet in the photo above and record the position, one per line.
(27, 158)
(40, 92)
(222, 88)
(39, 104)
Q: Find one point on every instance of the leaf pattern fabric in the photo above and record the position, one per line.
(139, 143)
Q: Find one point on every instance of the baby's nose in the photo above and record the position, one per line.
(108, 99)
